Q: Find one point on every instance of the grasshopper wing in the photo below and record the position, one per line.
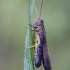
(46, 58)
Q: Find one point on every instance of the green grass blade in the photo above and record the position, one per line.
(28, 53)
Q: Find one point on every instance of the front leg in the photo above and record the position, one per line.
(28, 48)
(31, 47)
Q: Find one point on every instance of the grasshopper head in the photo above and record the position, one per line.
(38, 24)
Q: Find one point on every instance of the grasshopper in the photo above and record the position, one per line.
(40, 45)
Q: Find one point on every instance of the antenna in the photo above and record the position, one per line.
(41, 8)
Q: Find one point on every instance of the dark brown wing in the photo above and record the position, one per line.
(46, 58)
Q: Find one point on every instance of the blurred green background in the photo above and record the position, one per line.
(13, 22)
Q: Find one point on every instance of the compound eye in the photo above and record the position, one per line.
(35, 27)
